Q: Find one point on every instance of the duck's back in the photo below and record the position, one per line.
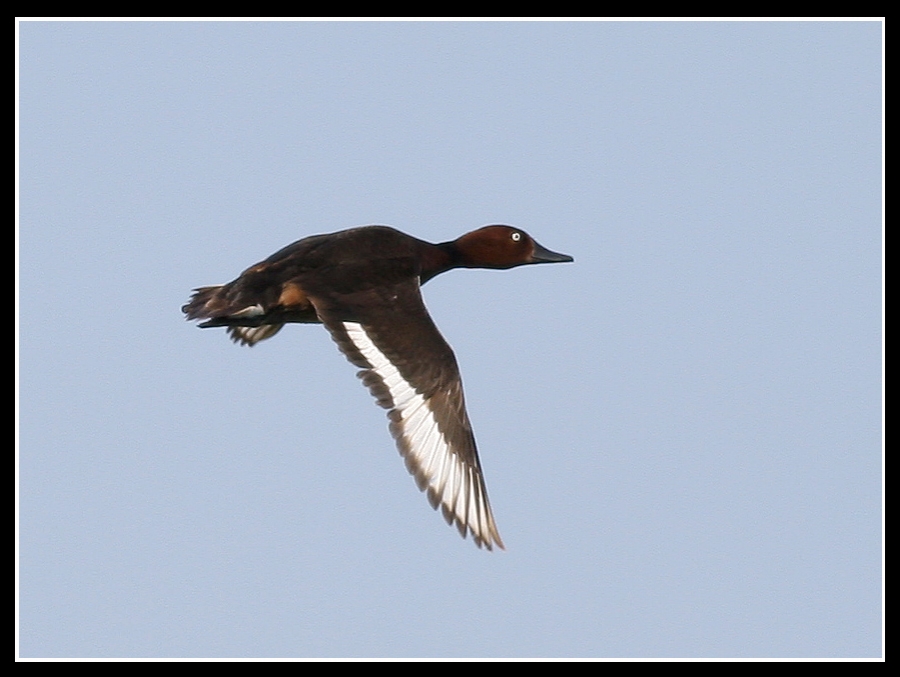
(346, 260)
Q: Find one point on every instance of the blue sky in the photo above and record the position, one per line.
(681, 432)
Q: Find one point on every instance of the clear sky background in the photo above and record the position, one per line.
(681, 432)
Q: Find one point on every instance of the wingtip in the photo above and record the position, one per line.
(488, 543)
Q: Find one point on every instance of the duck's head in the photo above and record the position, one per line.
(503, 247)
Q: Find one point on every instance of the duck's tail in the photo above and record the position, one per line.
(246, 325)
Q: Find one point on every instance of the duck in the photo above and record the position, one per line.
(364, 285)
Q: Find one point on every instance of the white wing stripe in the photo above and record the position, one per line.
(431, 452)
(454, 482)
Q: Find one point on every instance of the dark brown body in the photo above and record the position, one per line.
(364, 284)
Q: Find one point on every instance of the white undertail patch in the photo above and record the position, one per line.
(250, 311)
(252, 335)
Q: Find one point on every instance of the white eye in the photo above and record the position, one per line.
(516, 237)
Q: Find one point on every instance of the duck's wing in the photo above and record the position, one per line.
(412, 372)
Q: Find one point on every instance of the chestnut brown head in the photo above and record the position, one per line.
(503, 247)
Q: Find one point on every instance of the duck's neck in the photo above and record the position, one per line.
(439, 258)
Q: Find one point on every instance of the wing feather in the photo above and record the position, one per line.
(412, 372)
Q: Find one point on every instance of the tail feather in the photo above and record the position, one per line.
(249, 316)
(204, 303)
(245, 325)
